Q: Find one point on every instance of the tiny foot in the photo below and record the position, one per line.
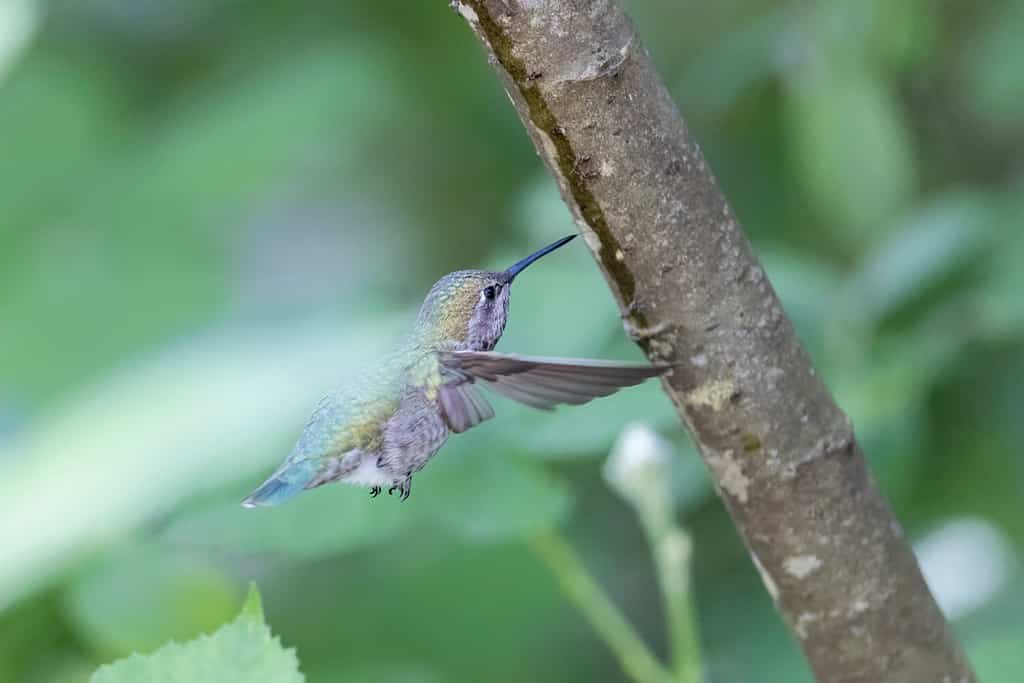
(374, 492)
(405, 488)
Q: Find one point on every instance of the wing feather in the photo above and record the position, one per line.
(546, 382)
(463, 405)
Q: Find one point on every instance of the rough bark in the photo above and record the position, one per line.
(782, 455)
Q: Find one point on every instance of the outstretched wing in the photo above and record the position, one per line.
(538, 382)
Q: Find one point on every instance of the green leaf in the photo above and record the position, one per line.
(998, 659)
(62, 114)
(754, 51)
(486, 495)
(929, 245)
(994, 67)
(381, 672)
(243, 651)
(851, 146)
(326, 521)
(997, 297)
(905, 34)
(253, 605)
(137, 598)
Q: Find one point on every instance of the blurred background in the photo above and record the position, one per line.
(213, 212)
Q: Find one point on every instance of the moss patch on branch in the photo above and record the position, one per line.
(566, 158)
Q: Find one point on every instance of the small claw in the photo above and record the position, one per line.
(374, 492)
(392, 489)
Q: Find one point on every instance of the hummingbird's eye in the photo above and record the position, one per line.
(489, 292)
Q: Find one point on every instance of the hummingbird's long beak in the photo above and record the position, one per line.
(520, 266)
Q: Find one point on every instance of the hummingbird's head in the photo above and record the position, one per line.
(467, 309)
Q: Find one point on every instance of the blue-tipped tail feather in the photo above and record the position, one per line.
(289, 480)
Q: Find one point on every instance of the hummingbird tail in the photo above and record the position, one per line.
(282, 485)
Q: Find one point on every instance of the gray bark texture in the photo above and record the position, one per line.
(781, 453)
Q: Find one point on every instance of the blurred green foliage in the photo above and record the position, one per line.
(210, 213)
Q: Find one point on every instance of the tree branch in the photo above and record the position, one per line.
(781, 453)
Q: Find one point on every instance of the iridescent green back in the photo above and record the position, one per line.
(352, 415)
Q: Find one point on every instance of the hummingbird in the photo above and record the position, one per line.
(387, 424)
